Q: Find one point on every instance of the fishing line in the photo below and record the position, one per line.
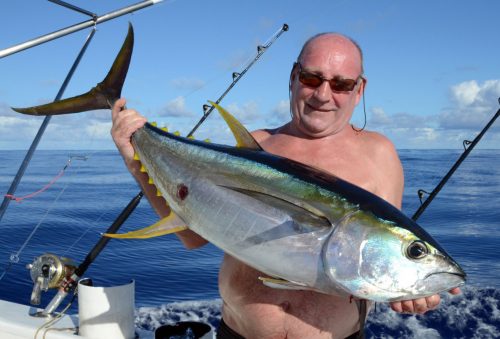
(15, 257)
(87, 230)
(46, 327)
(47, 186)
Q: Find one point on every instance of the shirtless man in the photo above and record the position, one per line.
(320, 135)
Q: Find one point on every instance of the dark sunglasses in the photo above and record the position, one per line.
(337, 84)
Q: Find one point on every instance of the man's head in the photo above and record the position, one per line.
(321, 107)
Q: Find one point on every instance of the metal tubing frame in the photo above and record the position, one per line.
(41, 129)
(77, 27)
(48, 37)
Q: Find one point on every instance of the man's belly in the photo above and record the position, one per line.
(257, 311)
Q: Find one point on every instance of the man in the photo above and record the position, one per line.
(326, 84)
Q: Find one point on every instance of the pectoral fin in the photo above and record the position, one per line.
(170, 224)
(283, 284)
(304, 215)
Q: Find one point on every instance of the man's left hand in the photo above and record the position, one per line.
(421, 305)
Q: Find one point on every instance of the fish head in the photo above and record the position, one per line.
(380, 260)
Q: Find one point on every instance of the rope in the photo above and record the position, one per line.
(47, 326)
(14, 257)
(46, 187)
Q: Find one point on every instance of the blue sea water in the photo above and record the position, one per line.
(174, 284)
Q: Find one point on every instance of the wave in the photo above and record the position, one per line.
(473, 314)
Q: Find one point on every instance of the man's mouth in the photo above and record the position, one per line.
(320, 109)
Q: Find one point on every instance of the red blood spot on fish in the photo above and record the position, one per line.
(182, 191)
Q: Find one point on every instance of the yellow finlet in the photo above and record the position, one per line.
(170, 224)
(191, 137)
(150, 181)
(154, 123)
(164, 129)
(242, 136)
(143, 169)
(177, 133)
(158, 193)
(207, 140)
(136, 156)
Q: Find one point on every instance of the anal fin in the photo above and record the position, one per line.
(168, 225)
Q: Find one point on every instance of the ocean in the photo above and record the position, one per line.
(174, 284)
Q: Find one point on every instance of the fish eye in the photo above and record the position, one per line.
(417, 250)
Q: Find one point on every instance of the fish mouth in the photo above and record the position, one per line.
(444, 280)
(462, 275)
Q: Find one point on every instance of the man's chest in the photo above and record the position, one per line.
(352, 166)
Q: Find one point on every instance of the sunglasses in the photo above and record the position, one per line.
(337, 83)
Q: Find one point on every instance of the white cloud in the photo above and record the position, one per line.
(100, 115)
(4, 110)
(281, 112)
(99, 130)
(473, 105)
(397, 120)
(247, 112)
(176, 108)
(465, 93)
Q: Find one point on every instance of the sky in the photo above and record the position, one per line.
(433, 67)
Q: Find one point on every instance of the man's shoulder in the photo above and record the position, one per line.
(381, 150)
(378, 142)
(262, 134)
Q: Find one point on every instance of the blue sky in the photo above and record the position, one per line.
(433, 67)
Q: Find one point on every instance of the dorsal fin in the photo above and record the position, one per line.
(241, 134)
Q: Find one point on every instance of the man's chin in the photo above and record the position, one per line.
(315, 131)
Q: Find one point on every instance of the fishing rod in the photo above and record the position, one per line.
(70, 280)
(468, 146)
(43, 268)
(207, 109)
(96, 19)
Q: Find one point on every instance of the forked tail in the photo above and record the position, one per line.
(102, 96)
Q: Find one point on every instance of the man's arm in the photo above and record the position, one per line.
(125, 123)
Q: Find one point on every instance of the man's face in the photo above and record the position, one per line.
(321, 111)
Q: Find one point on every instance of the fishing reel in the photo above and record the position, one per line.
(48, 271)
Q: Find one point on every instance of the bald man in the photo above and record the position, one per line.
(326, 84)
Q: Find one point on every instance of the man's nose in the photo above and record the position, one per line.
(323, 92)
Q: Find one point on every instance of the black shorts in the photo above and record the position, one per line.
(225, 332)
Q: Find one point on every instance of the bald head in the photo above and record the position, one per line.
(334, 40)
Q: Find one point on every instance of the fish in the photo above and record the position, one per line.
(303, 228)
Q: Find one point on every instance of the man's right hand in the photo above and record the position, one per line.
(125, 123)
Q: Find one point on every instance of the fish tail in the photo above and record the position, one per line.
(102, 96)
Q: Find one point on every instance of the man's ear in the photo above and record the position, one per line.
(292, 76)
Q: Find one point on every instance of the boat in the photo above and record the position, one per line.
(103, 311)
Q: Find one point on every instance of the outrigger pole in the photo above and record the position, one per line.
(468, 146)
(48, 37)
(96, 19)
